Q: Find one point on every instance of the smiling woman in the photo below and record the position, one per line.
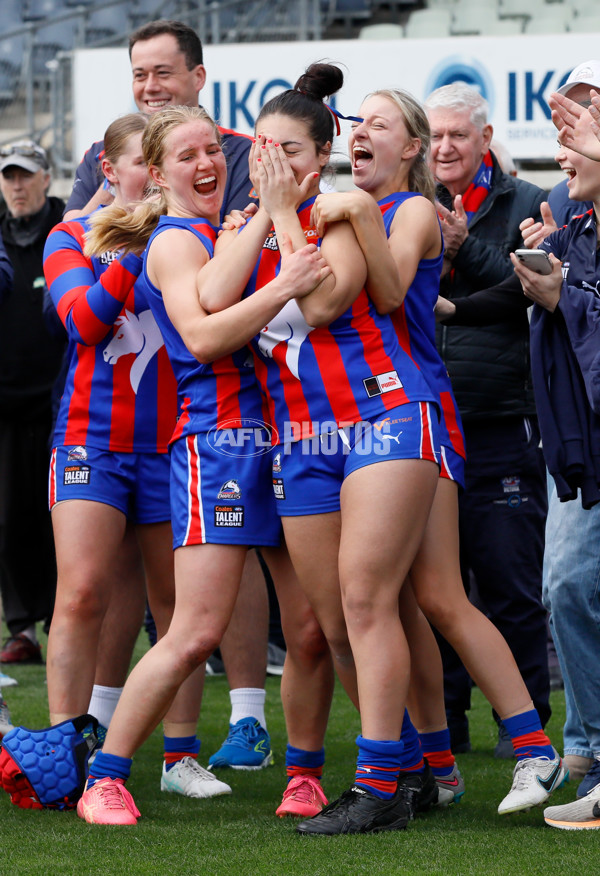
(216, 390)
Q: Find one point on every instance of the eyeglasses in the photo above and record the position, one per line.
(25, 151)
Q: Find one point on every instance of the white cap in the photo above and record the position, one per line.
(587, 73)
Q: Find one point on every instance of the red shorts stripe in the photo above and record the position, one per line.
(195, 527)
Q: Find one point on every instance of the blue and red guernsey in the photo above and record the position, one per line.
(318, 379)
(414, 322)
(221, 395)
(120, 392)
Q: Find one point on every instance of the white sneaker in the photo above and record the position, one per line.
(7, 680)
(534, 779)
(188, 778)
(582, 814)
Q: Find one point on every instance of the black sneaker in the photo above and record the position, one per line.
(504, 748)
(419, 790)
(358, 811)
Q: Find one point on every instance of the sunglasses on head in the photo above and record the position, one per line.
(25, 151)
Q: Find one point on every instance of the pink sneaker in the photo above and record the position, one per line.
(108, 802)
(303, 796)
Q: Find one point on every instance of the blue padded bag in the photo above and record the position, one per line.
(47, 769)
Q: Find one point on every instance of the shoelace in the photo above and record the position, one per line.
(194, 767)
(304, 791)
(114, 795)
(525, 769)
(241, 734)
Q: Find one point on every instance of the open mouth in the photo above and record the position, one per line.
(361, 157)
(158, 104)
(571, 173)
(207, 185)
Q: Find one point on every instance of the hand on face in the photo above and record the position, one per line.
(274, 179)
(543, 289)
(454, 226)
(577, 126)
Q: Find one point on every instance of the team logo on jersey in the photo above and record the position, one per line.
(278, 488)
(511, 484)
(230, 490)
(288, 327)
(226, 516)
(78, 454)
(76, 474)
(138, 335)
(271, 241)
(380, 383)
(277, 462)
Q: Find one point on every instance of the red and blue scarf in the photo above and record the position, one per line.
(480, 187)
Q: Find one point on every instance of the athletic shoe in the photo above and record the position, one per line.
(20, 649)
(214, 665)
(451, 787)
(188, 778)
(247, 747)
(504, 748)
(579, 815)
(577, 765)
(275, 659)
(5, 725)
(358, 811)
(7, 680)
(590, 780)
(534, 779)
(418, 790)
(303, 796)
(108, 802)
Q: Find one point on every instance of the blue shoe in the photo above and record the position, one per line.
(247, 747)
(590, 780)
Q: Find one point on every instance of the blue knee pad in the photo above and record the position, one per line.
(48, 769)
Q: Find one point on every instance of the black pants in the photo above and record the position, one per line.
(27, 560)
(502, 515)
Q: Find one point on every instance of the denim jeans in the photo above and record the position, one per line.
(571, 593)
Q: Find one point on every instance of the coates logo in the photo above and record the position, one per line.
(243, 437)
(78, 453)
(462, 68)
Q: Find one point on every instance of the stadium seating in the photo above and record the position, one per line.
(429, 23)
(384, 31)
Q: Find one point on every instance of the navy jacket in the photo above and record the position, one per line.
(565, 359)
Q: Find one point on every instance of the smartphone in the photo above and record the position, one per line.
(535, 259)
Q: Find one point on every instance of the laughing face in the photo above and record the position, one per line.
(193, 172)
(457, 147)
(380, 146)
(583, 174)
(161, 77)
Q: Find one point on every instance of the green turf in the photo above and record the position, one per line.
(241, 835)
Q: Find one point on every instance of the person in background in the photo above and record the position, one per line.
(30, 359)
(503, 508)
(168, 70)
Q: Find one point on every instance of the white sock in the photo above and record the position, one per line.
(248, 702)
(104, 702)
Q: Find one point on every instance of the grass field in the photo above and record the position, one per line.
(240, 834)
